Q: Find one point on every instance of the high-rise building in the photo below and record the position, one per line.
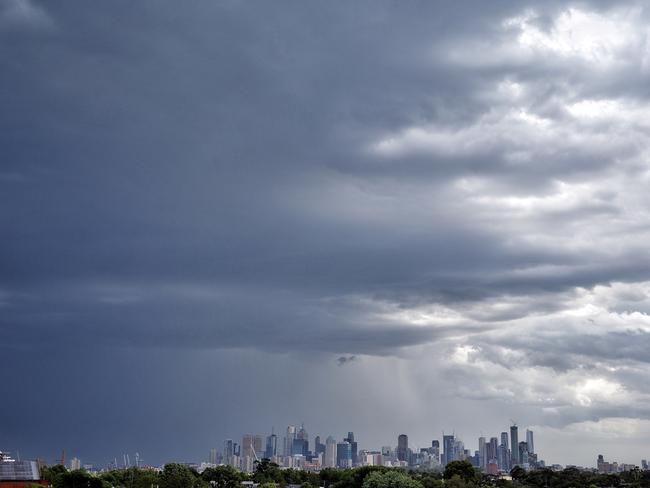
(316, 443)
(302, 433)
(330, 452)
(353, 446)
(387, 452)
(491, 451)
(435, 450)
(75, 463)
(402, 447)
(501, 458)
(251, 449)
(288, 440)
(448, 449)
(300, 447)
(459, 453)
(271, 446)
(503, 453)
(530, 442)
(213, 456)
(504, 440)
(344, 455)
(228, 452)
(319, 447)
(514, 442)
(258, 445)
(523, 453)
(482, 452)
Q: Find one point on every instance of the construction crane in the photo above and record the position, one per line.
(62, 461)
(257, 460)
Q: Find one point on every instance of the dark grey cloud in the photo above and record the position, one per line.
(264, 184)
(343, 360)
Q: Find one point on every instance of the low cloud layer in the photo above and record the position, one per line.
(457, 201)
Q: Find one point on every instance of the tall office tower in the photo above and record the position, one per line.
(330, 452)
(447, 449)
(501, 458)
(248, 445)
(316, 442)
(435, 450)
(529, 441)
(353, 446)
(505, 452)
(319, 447)
(288, 440)
(523, 453)
(402, 447)
(213, 456)
(459, 452)
(514, 442)
(271, 446)
(228, 451)
(482, 452)
(75, 464)
(344, 455)
(491, 450)
(258, 445)
(504, 439)
(300, 447)
(302, 433)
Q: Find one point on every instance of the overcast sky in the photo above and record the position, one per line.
(219, 217)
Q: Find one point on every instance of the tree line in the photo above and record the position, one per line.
(457, 474)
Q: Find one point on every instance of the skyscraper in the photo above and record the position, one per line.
(258, 445)
(503, 454)
(402, 447)
(504, 440)
(491, 451)
(435, 450)
(271, 446)
(353, 447)
(482, 452)
(299, 447)
(529, 441)
(459, 452)
(302, 433)
(344, 455)
(213, 456)
(523, 453)
(448, 448)
(228, 451)
(288, 440)
(514, 442)
(319, 447)
(251, 445)
(330, 452)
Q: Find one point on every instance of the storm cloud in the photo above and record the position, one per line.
(448, 199)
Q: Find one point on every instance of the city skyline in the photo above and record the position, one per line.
(243, 453)
(385, 218)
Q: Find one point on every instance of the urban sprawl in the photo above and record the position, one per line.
(494, 455)
(294, 450)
